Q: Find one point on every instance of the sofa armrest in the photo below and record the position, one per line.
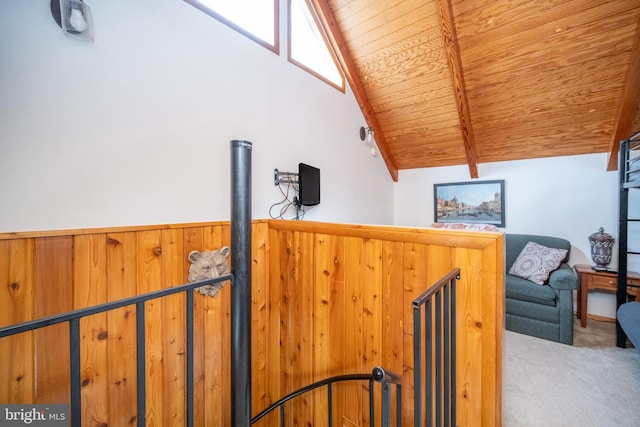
(563, 278)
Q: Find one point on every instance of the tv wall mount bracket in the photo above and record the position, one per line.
(284, 177)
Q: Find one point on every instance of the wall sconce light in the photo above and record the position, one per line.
(366, 135)
(74, 17)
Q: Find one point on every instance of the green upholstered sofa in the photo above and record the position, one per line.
(544, 311)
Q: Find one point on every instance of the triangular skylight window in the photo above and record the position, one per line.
(257, 19)
(309, 47)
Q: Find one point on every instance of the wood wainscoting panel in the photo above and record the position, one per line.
(173, 325)
(149, 279)
(53, 294)
(329, 324)
(359, 291)
(90, 275)
(122, 262)
(193, 240)
(327, 299)
(263, 391)
(392, 357)
(16, 293)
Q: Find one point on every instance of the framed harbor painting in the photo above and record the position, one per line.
(476, 202)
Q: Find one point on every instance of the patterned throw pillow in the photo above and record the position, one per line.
(536, 262)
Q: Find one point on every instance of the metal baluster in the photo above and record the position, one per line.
(438, 338)
(447, 355)
(429, 362)
(453, 349)
(74, 367)
(189, 344)
(386, 405)
(372, 421)
(141, 365)
(417, 364)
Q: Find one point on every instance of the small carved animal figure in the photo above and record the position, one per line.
(208, 265)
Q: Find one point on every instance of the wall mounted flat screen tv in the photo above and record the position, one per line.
(308, 185)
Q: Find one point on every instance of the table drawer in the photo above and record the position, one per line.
(633, 281)
(603, 282)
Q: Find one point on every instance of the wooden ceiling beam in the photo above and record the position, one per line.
(457, 79)
(629, 103)
(348, 66)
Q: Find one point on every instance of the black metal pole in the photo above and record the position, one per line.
(241, 284)
(621, 292)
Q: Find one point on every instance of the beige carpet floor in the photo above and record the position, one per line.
(596, 334)
(591, 384)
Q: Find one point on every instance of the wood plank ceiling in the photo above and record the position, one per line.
(451, 82)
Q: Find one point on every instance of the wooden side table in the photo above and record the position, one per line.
(589, 279)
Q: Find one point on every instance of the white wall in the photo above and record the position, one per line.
(135, 128)
(569, 197)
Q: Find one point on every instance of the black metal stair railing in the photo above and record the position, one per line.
(73, 318)
(378, 375)
(438, 319)
(385, 378)
(435, 310)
